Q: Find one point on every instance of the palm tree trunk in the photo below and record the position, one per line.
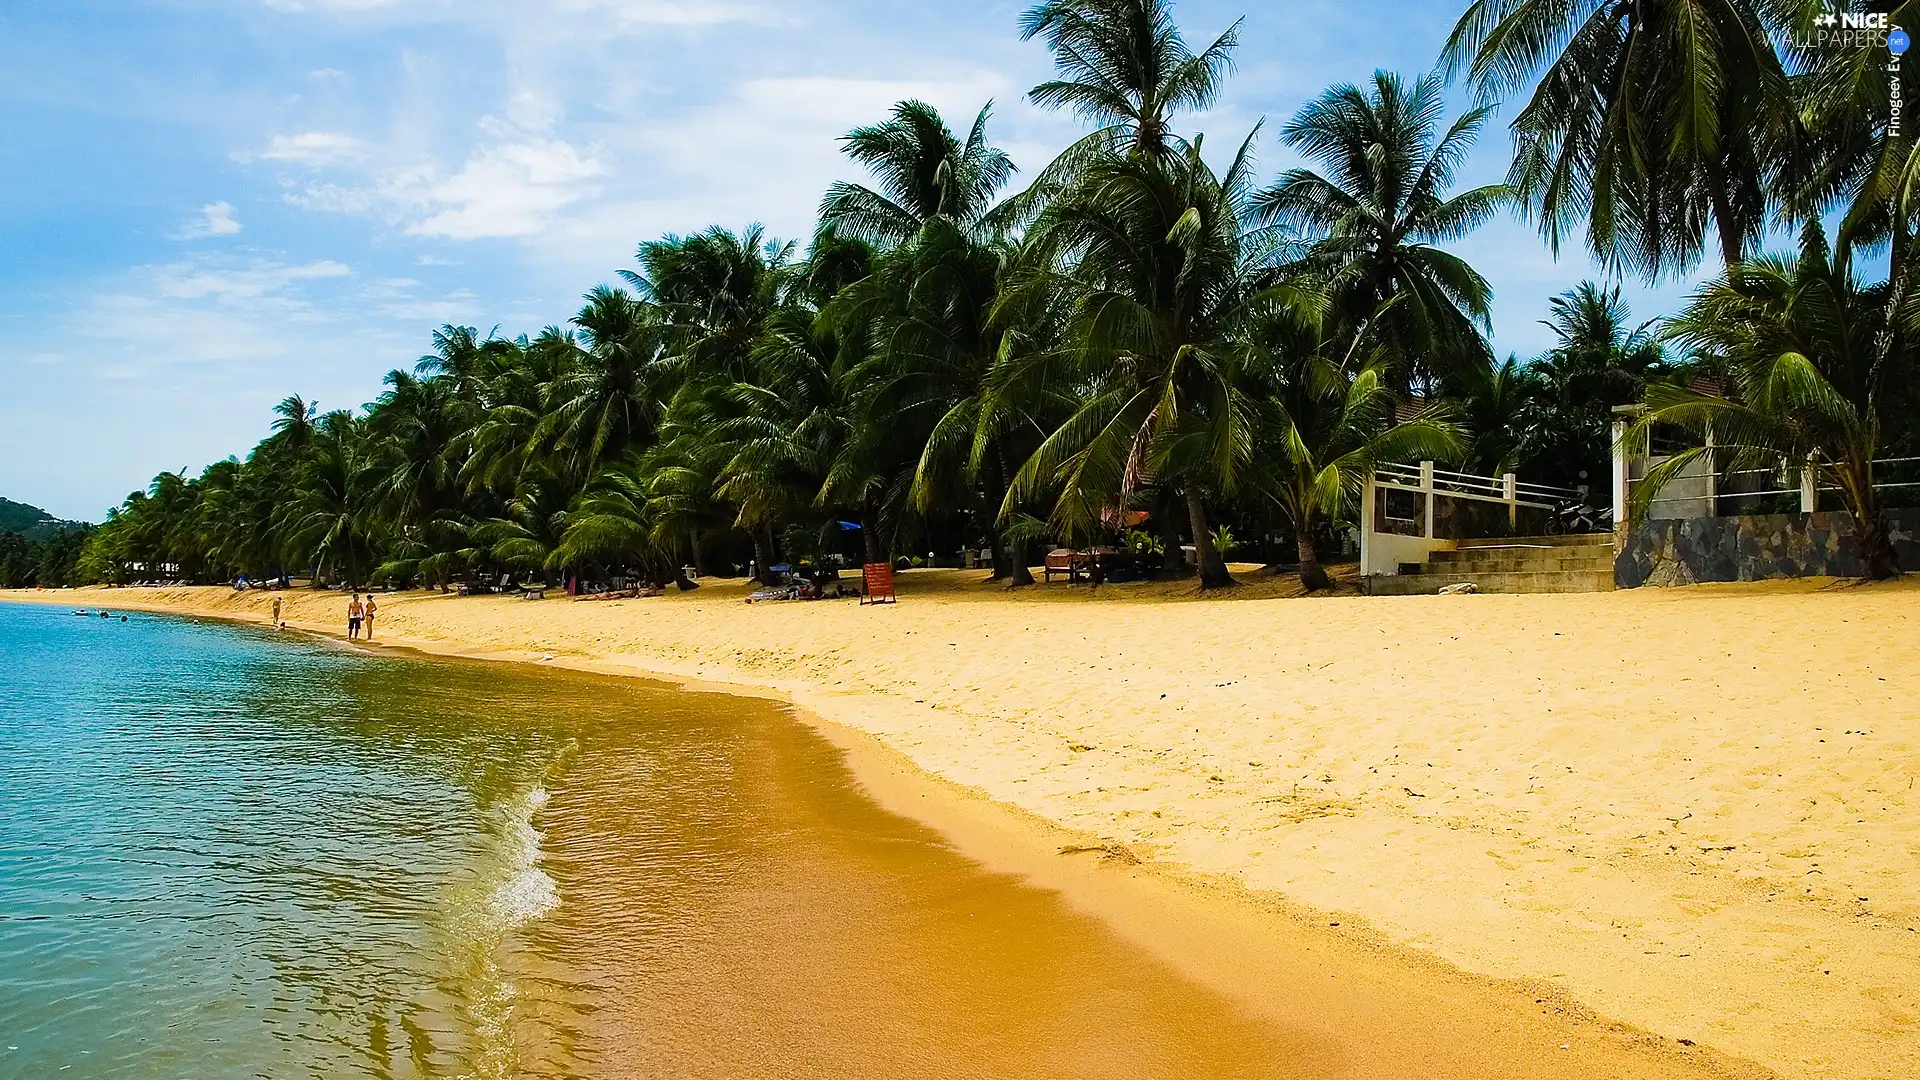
(1173, 561)
(1002, 562)
(693, 546)
(1022, 571)
(1732, 237)
(762, 554)
(1313, 576)
(870, 535)
(1213, 569)
(1878, 560)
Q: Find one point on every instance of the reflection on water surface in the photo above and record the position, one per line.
(230, 853)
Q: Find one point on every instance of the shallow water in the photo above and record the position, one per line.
(233, 853)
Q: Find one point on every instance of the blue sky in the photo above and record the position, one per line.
(206, 206)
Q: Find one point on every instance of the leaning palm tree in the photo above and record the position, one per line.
(1328, 418)
(1650, 118)
(1124, 67)
(1379, 210)
(1154, 260)
(923, 173)
(1808, 370)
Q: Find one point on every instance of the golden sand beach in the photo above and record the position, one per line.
(1685, 813)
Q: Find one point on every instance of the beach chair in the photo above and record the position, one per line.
(876, 581)
(534, 592)
(1063, 561)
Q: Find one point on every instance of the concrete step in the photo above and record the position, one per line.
(1575, 540)
(1495, 563)
(1552, 581)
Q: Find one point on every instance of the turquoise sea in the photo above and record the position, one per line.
(232, 853)
(228, 851)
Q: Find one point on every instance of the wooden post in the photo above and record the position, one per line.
(1809, 487)
(1510, 491)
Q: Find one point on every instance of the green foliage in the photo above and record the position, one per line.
(952, 361)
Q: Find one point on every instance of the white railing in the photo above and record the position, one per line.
(1382, 552)
(1707, 501)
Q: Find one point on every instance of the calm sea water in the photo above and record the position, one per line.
(230, 852)
(227, 853)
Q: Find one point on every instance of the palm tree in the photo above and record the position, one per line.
(1650, 118)
(923, 173)
(927, 310)
(1496, 407)
(1155, 264)
(1802, 345)
(1380, 209)
(1125, 68)
(1599, 361)
(1327, 417)
(326, 521)
(607, 396)
(713, 291)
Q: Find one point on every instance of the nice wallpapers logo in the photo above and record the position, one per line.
(1861, 30)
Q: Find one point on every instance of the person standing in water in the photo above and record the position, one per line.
(355, 611)
(371, 608)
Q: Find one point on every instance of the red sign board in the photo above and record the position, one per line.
(878, 577)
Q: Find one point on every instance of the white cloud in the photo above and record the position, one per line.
(249, 281)
(216, 219)
(314, 148)
(512, 187)
(509, 189)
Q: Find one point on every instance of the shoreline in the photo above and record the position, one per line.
(1194, 912)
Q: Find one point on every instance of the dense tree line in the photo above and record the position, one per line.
(47, 562)
(1143, 328)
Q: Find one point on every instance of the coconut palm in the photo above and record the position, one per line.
(923, 173)
(1124, 67)
(1155, 263)
(1599, 360)
(1378, 210)
(1327, 417)
(1807, 377)
(1649, 118)
(607, 396)
(326, 522)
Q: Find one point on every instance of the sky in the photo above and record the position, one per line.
(207, 205)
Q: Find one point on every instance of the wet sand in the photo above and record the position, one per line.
(1686, 810)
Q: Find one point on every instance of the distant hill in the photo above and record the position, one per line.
(34, 522)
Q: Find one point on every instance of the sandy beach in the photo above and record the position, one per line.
(1689, 811)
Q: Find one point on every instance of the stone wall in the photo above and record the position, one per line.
(1753, 547)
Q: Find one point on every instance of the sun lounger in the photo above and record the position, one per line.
(533, 592)
(1064, 561)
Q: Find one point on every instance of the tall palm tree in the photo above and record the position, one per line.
(608, 396)
(923, 173)
(1802, 346)
(1649, 118)
(326, 522)
(1379, 210)
(1124, 67)
(1156, 264)
(714, 291)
